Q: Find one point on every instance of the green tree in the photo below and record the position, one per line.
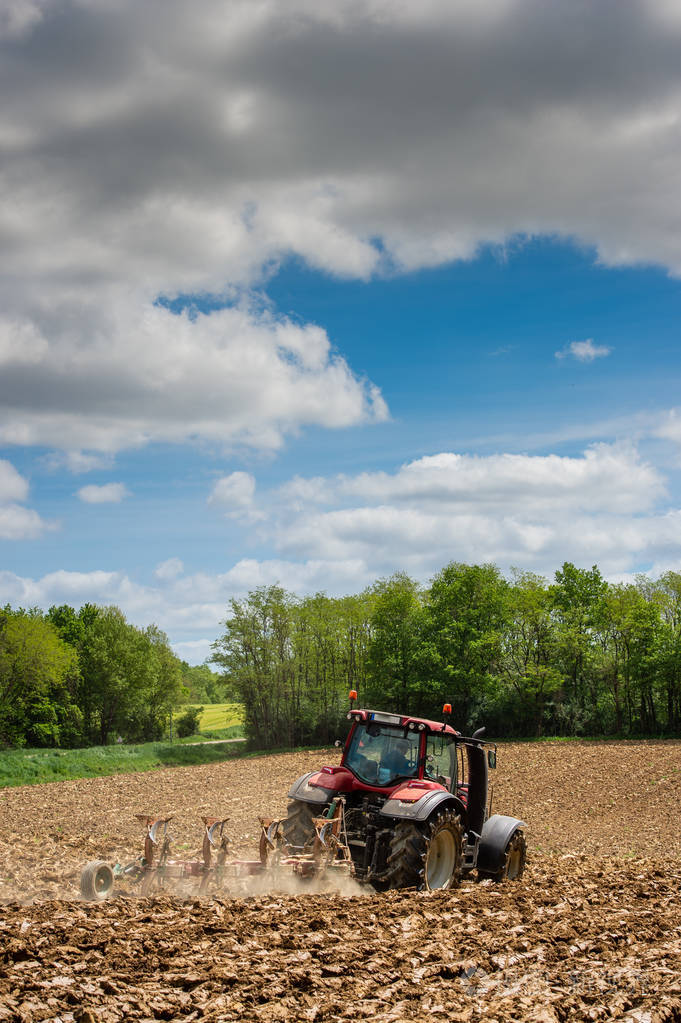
(529, 648)
(330, 640)
(73, 627)
(464, 620)
(395, 679)
(577, 596)
(203, 685)
(188, 722)
(256, 653)
(36, 666)
(162, 685)
(292, 662)
(118, 669)
(665, 594)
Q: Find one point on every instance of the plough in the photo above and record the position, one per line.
(326, 856)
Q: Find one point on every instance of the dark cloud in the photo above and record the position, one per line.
(165, 148)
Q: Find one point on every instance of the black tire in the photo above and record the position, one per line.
(426, 855)
(96, 881)
(298, 829)
(405, 859)
(513, 865)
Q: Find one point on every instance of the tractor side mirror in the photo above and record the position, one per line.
(492, 758)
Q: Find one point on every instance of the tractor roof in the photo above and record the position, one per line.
(403, 721)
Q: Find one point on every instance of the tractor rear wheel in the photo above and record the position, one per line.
(513, 864)
(298, 827)
(96, 881)
(426, 855)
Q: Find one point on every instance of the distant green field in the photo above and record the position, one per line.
(221, 715)
(219, 721)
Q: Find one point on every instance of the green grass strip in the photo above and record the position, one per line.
(33, 766)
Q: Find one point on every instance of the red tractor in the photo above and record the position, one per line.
(416, 804)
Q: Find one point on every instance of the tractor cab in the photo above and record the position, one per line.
(383, 750)
(381, 754)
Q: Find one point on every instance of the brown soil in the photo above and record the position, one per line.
(592, 931)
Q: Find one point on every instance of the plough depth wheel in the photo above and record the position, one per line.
(96, 881)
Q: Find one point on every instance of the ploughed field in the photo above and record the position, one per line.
(592, 930)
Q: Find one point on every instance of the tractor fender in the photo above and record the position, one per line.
(422, 808)
(306, 793)
(497, 832)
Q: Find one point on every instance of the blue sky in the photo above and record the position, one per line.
(310, 293)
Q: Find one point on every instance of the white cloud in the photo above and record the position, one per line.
(583, 351)
(195, 651)
(235, 495)
(300, 492)
(235, 376)
(669, 428)
(511, 509)
(191, 147)
(16, 521)
(13, 486)
(77, 462)
(107, 493)
(605, 477)
(169, 569)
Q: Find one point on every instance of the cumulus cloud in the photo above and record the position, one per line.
(77, 462)
(107, 493)
(605, 477)
(583, 351)
(16, 521)
(235, 495)
(511, 509)
(189, 148)
(234, 376)
(669, 427)
(194, 651)
(169, 569)
(13, 486)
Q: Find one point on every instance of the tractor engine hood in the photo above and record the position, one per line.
(322, 786)
(412, 791)
(335, 779)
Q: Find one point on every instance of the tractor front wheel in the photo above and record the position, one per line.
(426, 855)
(513, 864)
(298, 827)
(514, 860)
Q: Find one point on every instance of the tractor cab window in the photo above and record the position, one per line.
(441, 760)
(381, 754)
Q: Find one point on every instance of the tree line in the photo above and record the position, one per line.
(88, 677)
(522, 655)
(519, 654)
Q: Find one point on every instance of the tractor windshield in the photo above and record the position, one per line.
(381, 754)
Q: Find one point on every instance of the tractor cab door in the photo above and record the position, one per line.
(441, 760)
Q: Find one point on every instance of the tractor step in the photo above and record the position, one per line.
(470, 852)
